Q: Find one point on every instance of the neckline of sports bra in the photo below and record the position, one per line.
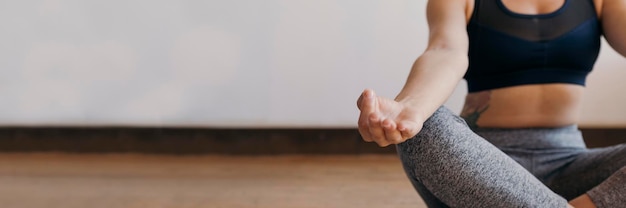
(546, 15)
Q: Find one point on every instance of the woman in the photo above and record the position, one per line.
(517, 144)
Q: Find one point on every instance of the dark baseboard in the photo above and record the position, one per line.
(215, 141)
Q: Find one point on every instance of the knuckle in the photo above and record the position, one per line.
(399, 140)
(396, 140)
(381, 141)
(378, 139)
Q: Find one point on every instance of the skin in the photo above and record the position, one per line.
(438, 70)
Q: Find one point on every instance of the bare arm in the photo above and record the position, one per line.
(439, 69)
(431, 81)
(614, 24)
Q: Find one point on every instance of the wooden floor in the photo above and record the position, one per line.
(100, 180)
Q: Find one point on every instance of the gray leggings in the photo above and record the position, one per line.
(452, 166)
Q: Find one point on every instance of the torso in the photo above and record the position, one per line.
(535, 105)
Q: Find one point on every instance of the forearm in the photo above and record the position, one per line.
(432, 80)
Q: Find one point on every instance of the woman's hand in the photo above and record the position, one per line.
(386, 121)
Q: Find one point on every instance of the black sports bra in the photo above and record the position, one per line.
(509, 49)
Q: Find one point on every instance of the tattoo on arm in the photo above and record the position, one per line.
(475, 105)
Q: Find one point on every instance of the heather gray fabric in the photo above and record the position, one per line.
(460, 169)
(559, 158)
(450, 164)
(610, 193)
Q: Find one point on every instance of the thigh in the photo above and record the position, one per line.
(588, 170)
(461, 169)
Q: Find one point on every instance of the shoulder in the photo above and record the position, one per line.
(440, 7)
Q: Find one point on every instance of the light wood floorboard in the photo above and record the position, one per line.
(128, 180)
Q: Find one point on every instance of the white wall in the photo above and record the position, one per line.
(235, 63)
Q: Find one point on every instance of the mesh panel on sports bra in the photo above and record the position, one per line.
(542, 27)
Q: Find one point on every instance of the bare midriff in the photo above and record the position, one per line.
(525, 106)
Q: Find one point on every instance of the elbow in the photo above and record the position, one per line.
(458, 58)
(455, 60)
(462, 61)
(457, 54)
